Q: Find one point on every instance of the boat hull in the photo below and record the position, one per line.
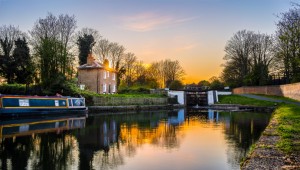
(41, 111)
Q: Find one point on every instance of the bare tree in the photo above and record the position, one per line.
(117, 59)
(88, 31)
(238, 49)
(51, 42)
(116, 55)
(288, 43)
(156, 73)
(261, 55)
(165, 71)
(8, 36)
(172, 71)
(129, 61)
(139, 72)
(103, 48)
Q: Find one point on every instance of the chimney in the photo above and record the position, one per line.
(90, 59)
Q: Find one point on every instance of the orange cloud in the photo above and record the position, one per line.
(149, 21)
(187, 47)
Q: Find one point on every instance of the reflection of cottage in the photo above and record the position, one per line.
(97, 77)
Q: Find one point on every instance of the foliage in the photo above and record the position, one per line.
(24, 68)
(13, 89)
(176, 85)
(165, 71)
(216, 84)
(51, 42)
(85, 44)
(249, 56)
(288, 47)
(236, 99)
(8, 36)
(133, 90)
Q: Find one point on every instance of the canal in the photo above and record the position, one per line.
(193, 139)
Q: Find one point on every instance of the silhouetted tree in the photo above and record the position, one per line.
(8, 35)
(248, 56)
(85, 44)
(176, 85)
(51, 42)
(23, 65)
(288, 44)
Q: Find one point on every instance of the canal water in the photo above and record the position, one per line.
(183, 139)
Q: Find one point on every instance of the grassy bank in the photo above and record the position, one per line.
(236, 99)
(288, 117)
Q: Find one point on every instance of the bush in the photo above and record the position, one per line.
(13, 89)
(133, 90)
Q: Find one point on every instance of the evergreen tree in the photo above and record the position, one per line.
(85, 44)
(23, 65)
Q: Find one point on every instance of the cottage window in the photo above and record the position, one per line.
(104, 88)
(113, 76)
(104, 75)
(107, 73)
(114, 89)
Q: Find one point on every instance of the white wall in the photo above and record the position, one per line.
(224, 93)
(179, 94)
(210, 98)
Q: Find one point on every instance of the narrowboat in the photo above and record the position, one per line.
(17, 105)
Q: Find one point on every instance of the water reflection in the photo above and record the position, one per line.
(193, 139)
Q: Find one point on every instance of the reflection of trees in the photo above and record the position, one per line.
(45, 151)
(108, 160)
(163, 135)
(108, 139)
(242, 130)
(14, 153)
(53, 151)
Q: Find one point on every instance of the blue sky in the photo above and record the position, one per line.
(192, 31)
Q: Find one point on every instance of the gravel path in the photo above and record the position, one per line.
(269, 99)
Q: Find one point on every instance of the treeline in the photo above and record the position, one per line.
(252, 58)
(50, 53)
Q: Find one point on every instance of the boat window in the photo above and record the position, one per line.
(78, 102)
(70, 102)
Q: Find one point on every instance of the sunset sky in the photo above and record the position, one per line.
(193, 32)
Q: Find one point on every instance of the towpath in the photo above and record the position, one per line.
(265, 154)
(258, 97)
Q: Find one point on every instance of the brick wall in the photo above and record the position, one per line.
(106, 80)
(288, 90)
(88, 77)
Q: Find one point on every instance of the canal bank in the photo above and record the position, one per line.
(279, 145)
(96, 109)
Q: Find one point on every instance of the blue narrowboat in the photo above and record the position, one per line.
(17, 105)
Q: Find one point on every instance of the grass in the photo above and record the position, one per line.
(288, 117)
(236, 99)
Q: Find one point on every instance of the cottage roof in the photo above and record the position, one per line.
(93, 64)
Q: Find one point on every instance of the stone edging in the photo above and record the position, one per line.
(266, 155)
